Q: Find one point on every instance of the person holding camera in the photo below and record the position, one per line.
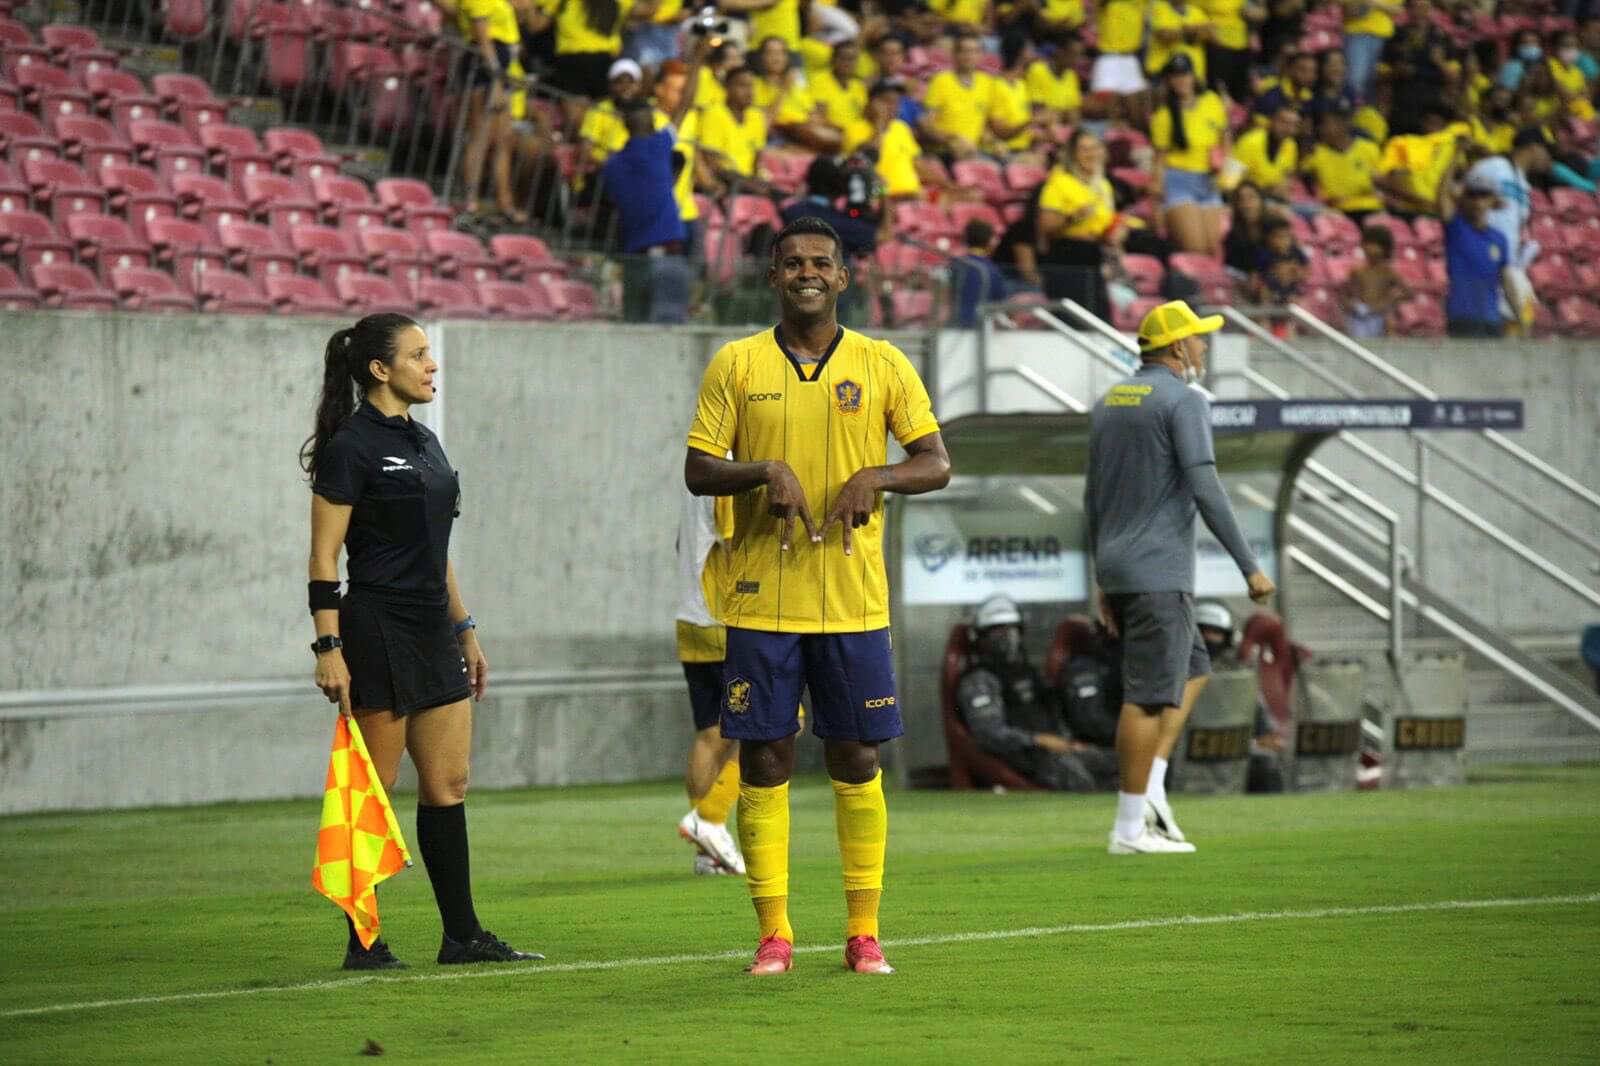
(1013, 715)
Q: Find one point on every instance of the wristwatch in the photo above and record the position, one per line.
(326, 644)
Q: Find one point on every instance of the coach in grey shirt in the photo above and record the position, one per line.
(1151, 467)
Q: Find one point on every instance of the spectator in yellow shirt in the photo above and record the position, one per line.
(839, 90)
(1079, 230)
(491, 27)
(791, 111)
(1191, 138)
(965, 104)
(1228, 55)
(1268, 155)
(1368, 25)
(958, 14)
(1053, 82)
(1016, 100)
(733, 133)
(1178, 27)
(1342, 167)
(769, 18)
(1413, 166)
(1119, 27)
(883, 136)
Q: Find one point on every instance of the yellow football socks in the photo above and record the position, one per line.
(863, 823)
(716, 804)
(764, 836)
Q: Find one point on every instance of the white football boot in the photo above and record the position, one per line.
(713, 839)
(1149, 843)
(1158, 817)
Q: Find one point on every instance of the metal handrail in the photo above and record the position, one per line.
(1495, 437)
(1044, 385)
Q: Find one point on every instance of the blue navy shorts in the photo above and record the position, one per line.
(850, 678)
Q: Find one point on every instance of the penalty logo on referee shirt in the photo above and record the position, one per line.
(738, 696)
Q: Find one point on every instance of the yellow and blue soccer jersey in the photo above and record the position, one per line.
(826, 420)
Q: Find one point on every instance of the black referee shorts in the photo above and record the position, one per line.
(402, 658)
(1161, 647)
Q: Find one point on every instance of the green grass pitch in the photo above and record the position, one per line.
(177, 905)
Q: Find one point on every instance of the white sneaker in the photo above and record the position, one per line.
(1148, 844)
(712, 838)
(706, 866)
(1158, 817)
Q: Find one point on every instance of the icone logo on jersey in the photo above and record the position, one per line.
(882, 701)
(757, 397)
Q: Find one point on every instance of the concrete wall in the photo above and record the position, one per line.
(153, 532)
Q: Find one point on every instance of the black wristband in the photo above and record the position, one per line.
(322, 595)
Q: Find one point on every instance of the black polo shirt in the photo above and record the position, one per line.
(404, 498)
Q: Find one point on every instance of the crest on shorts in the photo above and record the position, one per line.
(847, 395)
(738, 696)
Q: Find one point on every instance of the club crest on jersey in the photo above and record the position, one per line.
(847, 395)
(738, 696)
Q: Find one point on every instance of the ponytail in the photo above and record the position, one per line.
(1180, 136)
(347, 367)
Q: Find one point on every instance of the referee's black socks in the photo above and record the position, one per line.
(442, 839)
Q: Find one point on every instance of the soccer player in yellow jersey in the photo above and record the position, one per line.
(712, 778)
(806, 409)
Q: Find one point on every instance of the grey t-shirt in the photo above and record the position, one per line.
(1151, 466)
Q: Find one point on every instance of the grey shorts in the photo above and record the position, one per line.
(1161, 646)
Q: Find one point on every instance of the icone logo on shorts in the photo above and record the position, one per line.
(882, 701)
(738, 696)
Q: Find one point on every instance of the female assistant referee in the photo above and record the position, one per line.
(399, 651)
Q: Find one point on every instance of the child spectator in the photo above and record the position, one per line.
(1374, 290)
(974, 277)
(1281, 265)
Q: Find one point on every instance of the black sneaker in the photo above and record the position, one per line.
(377, 957)
(485, 947)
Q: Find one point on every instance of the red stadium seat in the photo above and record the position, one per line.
(64, 39)
(294, 149)
(970, 765)
(208, 199)
(392, 251)
(187, 246)
(14, 57)
(230, 293)
(1277, 661)
(63, 187)
(234, 150)
(913, 307)
(102, 238)
(31, 239)
(460, 255)
(1403, 236)
(327, 251)
(1336, 233)
(898, 259)
(1216, 286)
(786, 169)
(370, 293)
(1578, 317)
(1146, 272)
(14, 192)
(1127, 319)
(121, 97)
(1023, 177)
(146, 289)
(302, 295)
(1420, 317)
(14, 295)
(925, 221)
(137, 194)
(14, 33)
(983, 175)
(92, 141)
(521, 256)
(176, 89)
(572, 299)
(1573, 205)
(71, 286)
(1553, 278)
(506, 299)
(281, 201)
(347, 201)
(23, 137)
(186, 20)
(1430, 235)
(411, 204)
(50, 89)
(962, 213)
(168, 146)
(442, 298)
(746, 212)
(255, 248)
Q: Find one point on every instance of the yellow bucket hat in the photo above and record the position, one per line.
(1171, 322)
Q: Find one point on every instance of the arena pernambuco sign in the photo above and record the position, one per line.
(1246, 416)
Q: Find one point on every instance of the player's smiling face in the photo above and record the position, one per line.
(808, 275)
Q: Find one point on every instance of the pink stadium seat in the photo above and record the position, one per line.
(912, 307)
(1403, 236)
(1553, 278)
(302, 295)
(370, 293)
(63, 187)
(522, 256)
(898, 259)
(442, 298)
(1573, 205)
(71, 286)
(1336, 233)
(14, 192)
(327, 251)
(1578, 317)
(14, 57)
(22, 137)
(137, 194)
(1216, 287)
(10, 96)
(460, 255)
(983, 175)
(962, 213)
(31, 239)
(746, 212)
(395, 252)
(14, 295)
(208, 199)
(298, 151)
(1128, 319)
(64, 39)
(186, 20)
(145, 289)
(1023, 177)
(168, 146)
(91, 140)
(1146, 272)
(184, 245)
(121, 97)
(14, 33)
(175, 89)
(234, 150)
(51, 90)
(786, 169)
(1415, 273)
(347, 201)
(255, 248)
(1420, 317)
(572, 299)
(506, 299)
(1430, 234)
(1549, 232)
(230, 293)
(411, 204)
(103, 238)
(923, 220)
(277, 199)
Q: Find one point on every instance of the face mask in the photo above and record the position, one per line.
(1529, 53)
(1190, 376)
(1568, 56)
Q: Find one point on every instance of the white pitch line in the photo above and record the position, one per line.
(813, 949)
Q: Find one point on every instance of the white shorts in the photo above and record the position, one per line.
(1120, 74)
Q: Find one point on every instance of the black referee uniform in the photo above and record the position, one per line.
(395, 621)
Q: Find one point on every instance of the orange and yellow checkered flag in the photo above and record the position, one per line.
(359, 843)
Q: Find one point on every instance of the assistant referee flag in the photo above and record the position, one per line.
(359, 843)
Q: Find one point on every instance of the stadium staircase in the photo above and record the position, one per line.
(1530, 699)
